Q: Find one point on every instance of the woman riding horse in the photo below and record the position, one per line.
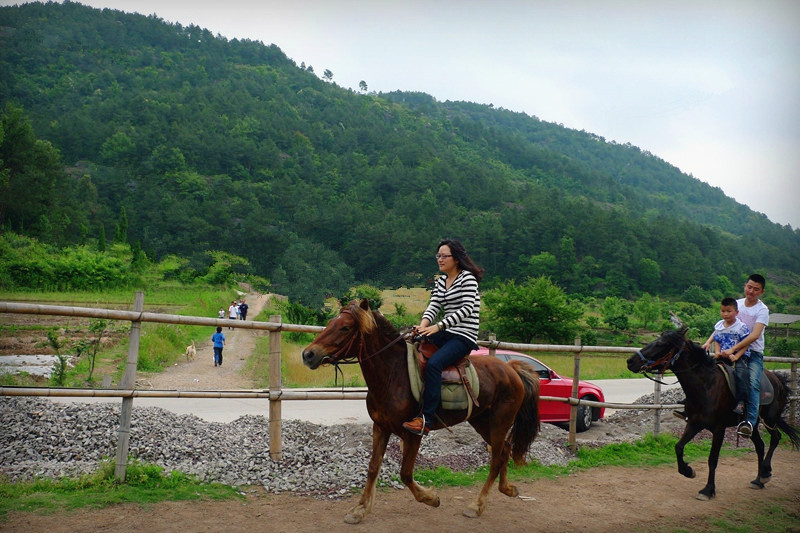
(507, 415)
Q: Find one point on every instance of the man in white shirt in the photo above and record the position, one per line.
(755, 314)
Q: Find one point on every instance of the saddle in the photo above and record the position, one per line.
(767, 392)
(460, 386)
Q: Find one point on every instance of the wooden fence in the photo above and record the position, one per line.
(275, 394)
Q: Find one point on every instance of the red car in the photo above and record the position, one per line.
(551, 384)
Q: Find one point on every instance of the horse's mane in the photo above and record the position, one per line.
(677, 338)
(365, 320)
(369, 321)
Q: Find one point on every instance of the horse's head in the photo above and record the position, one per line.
(343, 337)
(660, 354)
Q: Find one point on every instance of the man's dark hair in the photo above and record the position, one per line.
(729, 302)
(758, 278)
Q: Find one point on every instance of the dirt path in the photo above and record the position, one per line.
(201, 374)
(612, 499)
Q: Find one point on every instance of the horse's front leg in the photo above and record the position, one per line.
(410, 449)
(688, 434)
(380, 439)
(710, 490)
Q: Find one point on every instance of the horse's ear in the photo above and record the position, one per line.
(676, 321)
(364, 304)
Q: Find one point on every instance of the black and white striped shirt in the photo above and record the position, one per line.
(461, 304)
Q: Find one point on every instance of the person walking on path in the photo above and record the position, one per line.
(233, 312)
(242, 309)
(219, 343)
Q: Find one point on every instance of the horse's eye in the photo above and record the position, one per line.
(345, 329)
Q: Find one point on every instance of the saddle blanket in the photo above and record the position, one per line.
(767, 392)
(454, 397)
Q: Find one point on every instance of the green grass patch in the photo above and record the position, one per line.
(648, 451)
(780, 516)
(144, 484)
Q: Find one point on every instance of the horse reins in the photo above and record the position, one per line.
(666, 361)
(337, 359)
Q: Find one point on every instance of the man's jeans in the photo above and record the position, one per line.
(755, 367)
(452, 348)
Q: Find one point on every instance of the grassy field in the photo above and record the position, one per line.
(162, 344)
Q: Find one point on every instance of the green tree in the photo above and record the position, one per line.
(121, 229)
(363, 86)
(647, 309)
(616, 312)
(649, 275)
(101, 239)
(541, 264)
(372, 294)
(535, 309)
(328, 75)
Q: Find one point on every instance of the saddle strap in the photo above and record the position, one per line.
(461, 366)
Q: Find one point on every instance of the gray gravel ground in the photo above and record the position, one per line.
(40, 438)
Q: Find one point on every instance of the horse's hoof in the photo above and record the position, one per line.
(756, 484)
(703, 497)
(355, 516)
(472, 512)
(689, 472)
(764, 480)
(511, 491)
(352, 519)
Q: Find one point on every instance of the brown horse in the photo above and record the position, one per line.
(709, 403)
(507, 418)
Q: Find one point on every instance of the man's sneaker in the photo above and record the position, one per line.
(680, 414)
(745, 429)
(417, 426)
(739, 409)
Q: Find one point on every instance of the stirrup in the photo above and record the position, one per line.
(423, 430)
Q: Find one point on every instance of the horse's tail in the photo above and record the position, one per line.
(527, 423)
(790, 431)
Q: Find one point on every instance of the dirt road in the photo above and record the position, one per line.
(612, 499)
(201, 374)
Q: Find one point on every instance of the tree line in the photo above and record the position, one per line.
(207, 144)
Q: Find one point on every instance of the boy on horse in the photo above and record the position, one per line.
(727, 333)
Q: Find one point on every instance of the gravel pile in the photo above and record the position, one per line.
(40, 438)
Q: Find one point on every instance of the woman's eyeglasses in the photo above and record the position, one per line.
(443, 256)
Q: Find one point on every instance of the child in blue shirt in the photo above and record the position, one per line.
(728, 332)
(219, 342)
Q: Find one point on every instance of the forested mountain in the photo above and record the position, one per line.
(214, 144)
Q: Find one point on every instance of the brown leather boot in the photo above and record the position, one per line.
(417, 426)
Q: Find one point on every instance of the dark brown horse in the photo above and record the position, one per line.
(710, 403)
(507, 419)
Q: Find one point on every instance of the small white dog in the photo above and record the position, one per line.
(191, 351)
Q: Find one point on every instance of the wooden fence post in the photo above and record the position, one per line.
(793, 383)
(573, 410)
(127, 383)
(275, 444)
(656, 401)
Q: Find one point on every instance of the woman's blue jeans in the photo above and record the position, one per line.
(452, 348)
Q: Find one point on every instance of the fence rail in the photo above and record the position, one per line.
(275, 394)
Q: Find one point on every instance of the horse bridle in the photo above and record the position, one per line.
(337, 358)
(664, 363)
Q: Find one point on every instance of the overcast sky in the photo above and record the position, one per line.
(711, 86)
